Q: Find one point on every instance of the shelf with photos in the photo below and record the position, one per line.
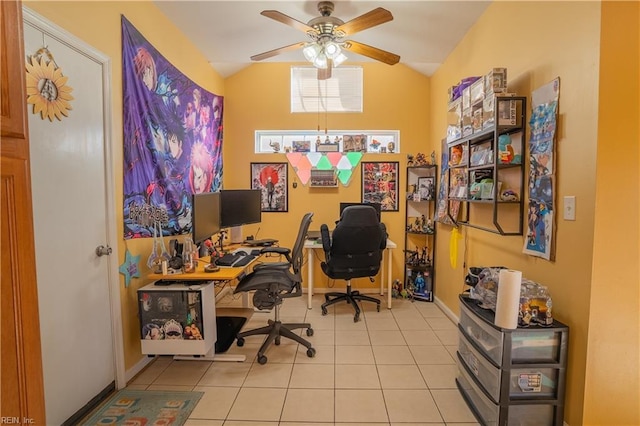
(486, 168)
(309, 141)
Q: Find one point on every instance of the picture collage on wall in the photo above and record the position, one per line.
(380, 184)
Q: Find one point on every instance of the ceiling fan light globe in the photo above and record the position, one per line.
(311, 51)
(340, 58)
(332, 49)
(320, 61)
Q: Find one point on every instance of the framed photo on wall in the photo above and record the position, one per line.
(272, 180)
(426, 188)
(380, 184)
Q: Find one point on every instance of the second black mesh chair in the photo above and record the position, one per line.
(273, 282)
(353, 250)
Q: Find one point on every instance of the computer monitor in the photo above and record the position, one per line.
(205, 216)
(376, 206)
(240, 207)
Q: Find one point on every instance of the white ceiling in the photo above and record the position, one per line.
(422, 32)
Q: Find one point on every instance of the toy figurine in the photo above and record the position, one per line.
(395, 290)
(409, 160)
(419, 283)
(421, 159)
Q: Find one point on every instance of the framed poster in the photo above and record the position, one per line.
(426, 188)
(271, 179)
(380, 184)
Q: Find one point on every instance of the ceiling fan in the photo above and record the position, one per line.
(327, 38)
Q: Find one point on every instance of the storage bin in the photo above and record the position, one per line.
(526, 413)
(528, 345)
(536, 346)
(530, 382)
(486, 373)
(487, 337)
(483, 407)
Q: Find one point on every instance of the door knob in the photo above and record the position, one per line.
(102, 251)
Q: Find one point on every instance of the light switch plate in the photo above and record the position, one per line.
(570, 207)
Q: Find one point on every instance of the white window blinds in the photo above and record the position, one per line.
(340, 93)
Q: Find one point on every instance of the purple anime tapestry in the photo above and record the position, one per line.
(172, 140)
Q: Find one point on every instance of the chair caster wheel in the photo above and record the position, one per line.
(378, 306)
(262, 360)
(240, 341)
(309, 332)
(324, 311)
(277, 341)
(311, 352)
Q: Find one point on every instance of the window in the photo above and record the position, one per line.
(369, 141)
(340, 93)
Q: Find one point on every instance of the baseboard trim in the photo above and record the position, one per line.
(323, 290)
(448, 312)
(137, 368)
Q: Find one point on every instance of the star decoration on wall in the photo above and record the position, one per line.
(130, 267)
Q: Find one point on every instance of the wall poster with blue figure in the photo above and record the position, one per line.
(540, 212)
(172, 140)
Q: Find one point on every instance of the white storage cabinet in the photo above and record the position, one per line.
(167, 311)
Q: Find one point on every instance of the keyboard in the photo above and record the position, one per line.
(229, 259)
(263, 242)
(235, 258)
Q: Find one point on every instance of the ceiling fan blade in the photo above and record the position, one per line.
(370, 19)
(372, 52)
(325, 73)
(287, 20)
(274, 52)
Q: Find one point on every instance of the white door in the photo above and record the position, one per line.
(70, 167)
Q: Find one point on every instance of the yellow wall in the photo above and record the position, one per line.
(612, 389)
(594, 279)
(98, 24)
(258, 99)
(537, 42)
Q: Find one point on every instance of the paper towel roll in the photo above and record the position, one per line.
(508, 302)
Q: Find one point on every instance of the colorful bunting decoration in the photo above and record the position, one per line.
(342, 163)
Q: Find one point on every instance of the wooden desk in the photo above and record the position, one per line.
(311, 245)
(223, 274)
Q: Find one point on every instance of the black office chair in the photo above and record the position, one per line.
(353, 250)
(273, 282)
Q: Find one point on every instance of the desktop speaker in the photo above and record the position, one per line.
(236, 235)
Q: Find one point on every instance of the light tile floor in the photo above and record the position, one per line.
(393, 367)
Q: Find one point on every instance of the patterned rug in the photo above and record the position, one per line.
(140, 407)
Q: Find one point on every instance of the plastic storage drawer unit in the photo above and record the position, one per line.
(511, 377)
(530, 345)
(525, 382)
(529, 413)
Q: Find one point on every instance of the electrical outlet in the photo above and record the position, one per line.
(570, 207)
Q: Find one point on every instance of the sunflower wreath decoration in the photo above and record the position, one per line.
(47, 88)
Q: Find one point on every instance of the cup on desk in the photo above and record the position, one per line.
(188, 260)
